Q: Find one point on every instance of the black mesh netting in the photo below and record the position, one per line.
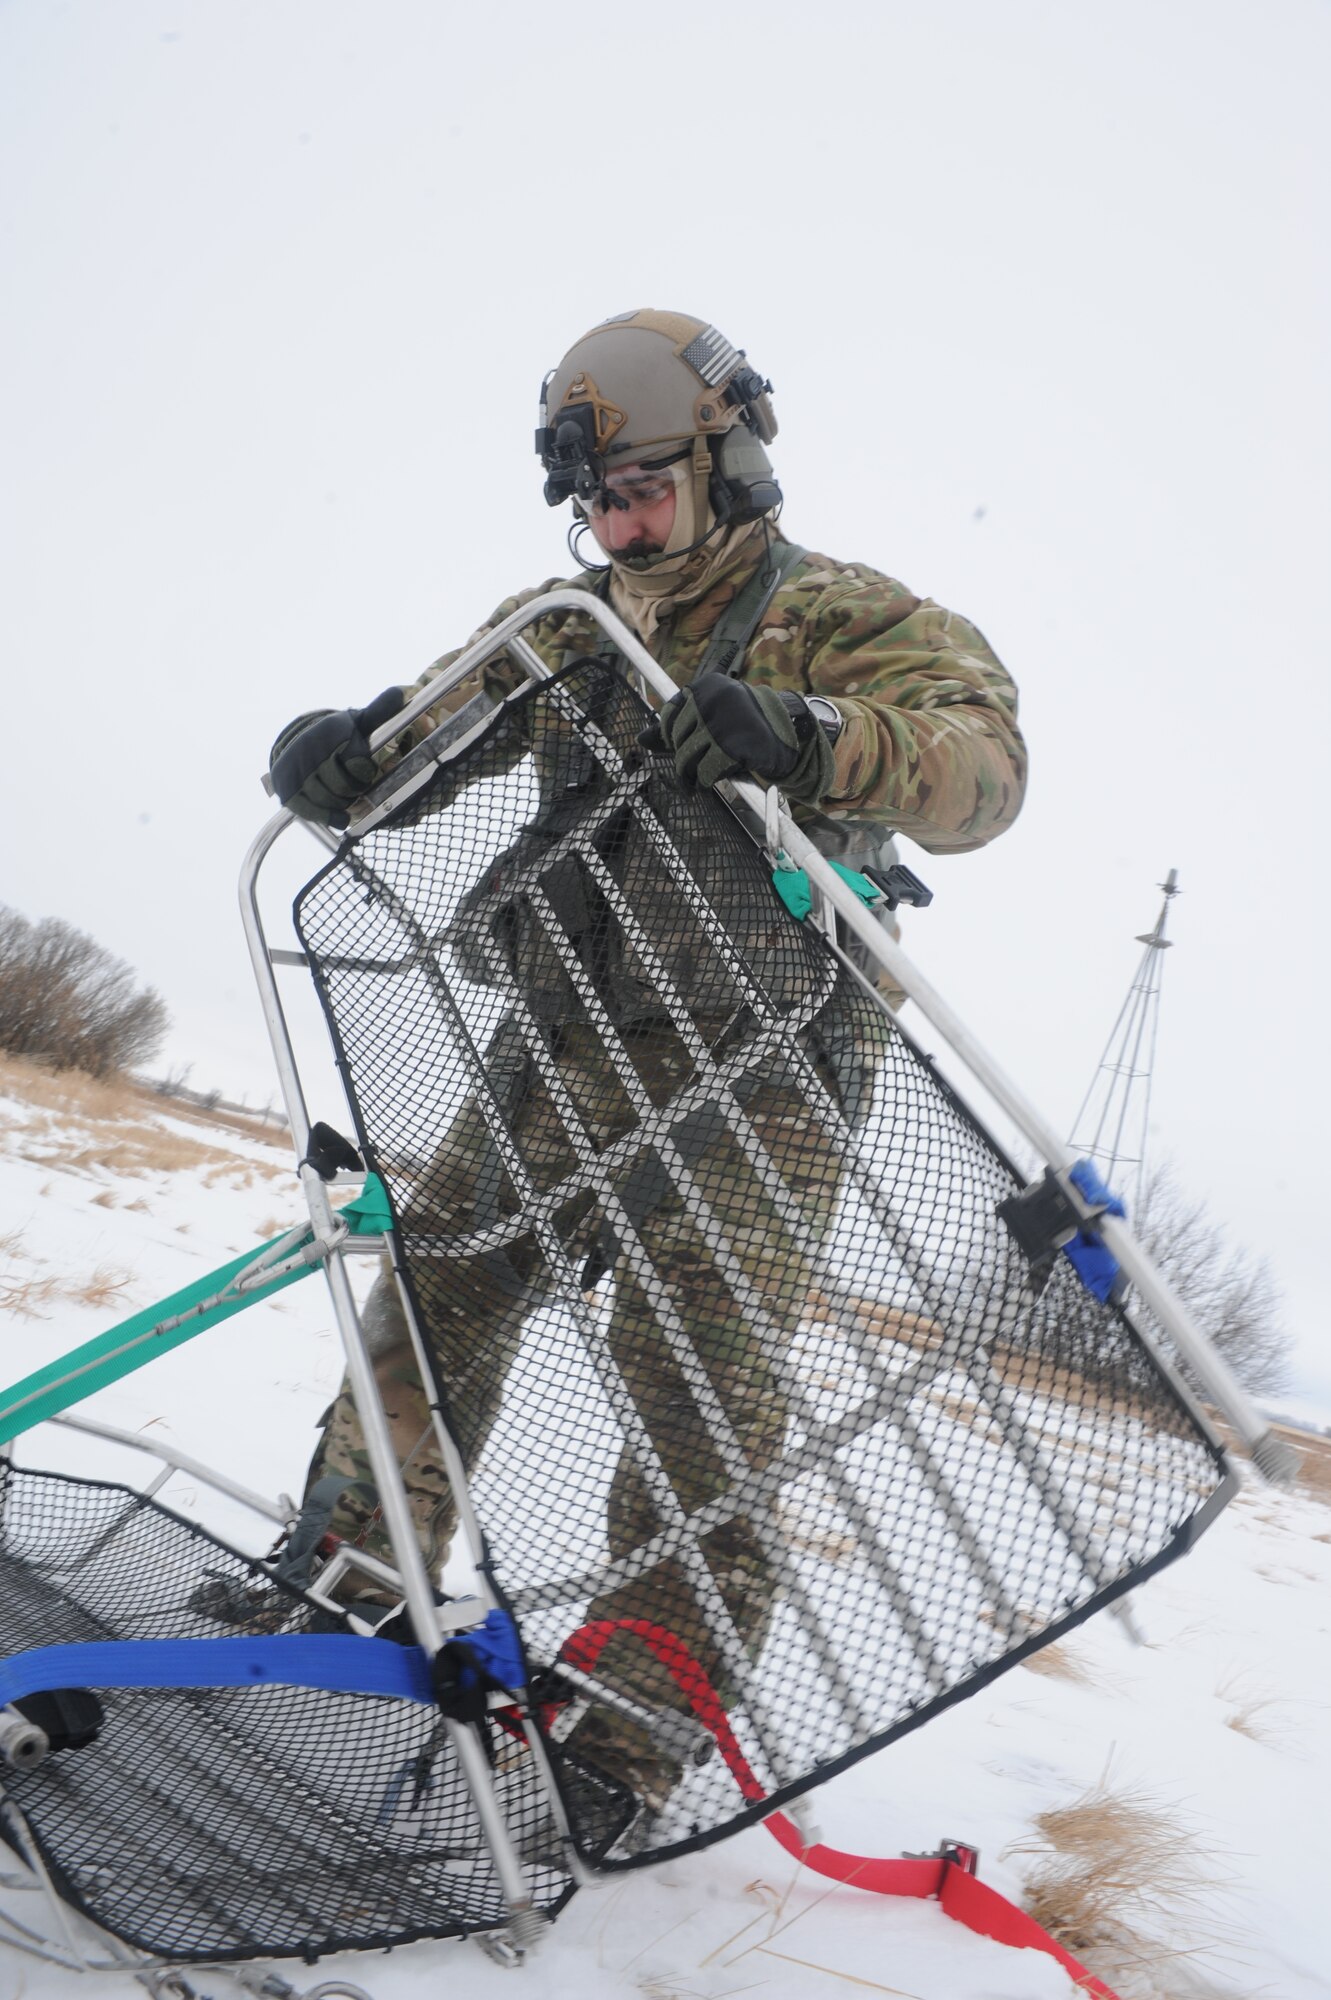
(235, 1823)
(707, 1257)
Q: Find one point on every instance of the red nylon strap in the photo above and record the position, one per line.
(961, 1895)
(973, 1903)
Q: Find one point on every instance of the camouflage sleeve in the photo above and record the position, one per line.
(930, 744)
(497, 678)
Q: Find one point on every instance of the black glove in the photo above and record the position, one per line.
(321, 762)
(719, 727)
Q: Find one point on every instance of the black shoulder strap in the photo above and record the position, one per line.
(738, 623)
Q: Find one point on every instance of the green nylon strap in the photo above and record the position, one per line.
(793, 887)
(156, 1330)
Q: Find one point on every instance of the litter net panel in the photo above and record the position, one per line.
(758, 1398)
(237, 1822)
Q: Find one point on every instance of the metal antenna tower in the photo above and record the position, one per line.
(1111, 1126)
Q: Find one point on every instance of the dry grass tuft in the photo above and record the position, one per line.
(73, 1094)
(68, 1092)
(245, 1173)
(26, 1297)
(264, 1133)
(104, 1286)
(1118, 1878)
(85, 1127)
(32, 1297)
(1257, 1716)
(1314, 1475)
(1061, 1662)
(106, 1199)
(278, 1225)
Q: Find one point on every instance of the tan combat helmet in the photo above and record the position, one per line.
(651, 388)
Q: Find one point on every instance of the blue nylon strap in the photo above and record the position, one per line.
(496, 1646)
(1085, 1177)
(340, 1663)
(1095, 1265)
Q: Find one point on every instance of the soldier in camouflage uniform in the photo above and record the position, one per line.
(876, 712)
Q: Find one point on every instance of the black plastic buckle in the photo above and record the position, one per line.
(960, 1853)
(1043, 1217)
(70, 1717)
(900, 885)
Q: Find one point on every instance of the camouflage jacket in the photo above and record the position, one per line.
(930, 746)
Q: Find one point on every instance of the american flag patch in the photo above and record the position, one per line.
(711, 354)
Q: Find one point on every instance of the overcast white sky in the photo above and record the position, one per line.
(1044, 293)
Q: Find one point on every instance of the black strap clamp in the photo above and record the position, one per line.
(329, 1152)
(1044, 1217)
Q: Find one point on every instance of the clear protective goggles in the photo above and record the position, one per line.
(632, 486)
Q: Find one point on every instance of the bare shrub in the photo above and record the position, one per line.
(67, 1001)
(1229, 1292)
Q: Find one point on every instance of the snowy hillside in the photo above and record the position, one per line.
(1158, 1805)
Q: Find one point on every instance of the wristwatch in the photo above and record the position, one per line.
(827, 713)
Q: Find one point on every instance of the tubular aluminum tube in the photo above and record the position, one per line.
(262, 1272)
(1218, 1380)
(180, 1461)
(274, 1018)
(416, 1585)
(679, 1735)
(32, 1855)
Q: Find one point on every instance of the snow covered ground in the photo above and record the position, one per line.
(1209, 1741)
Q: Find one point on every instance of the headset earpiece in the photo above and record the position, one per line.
(743, 482)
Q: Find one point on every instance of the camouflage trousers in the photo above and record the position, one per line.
(473, 1309)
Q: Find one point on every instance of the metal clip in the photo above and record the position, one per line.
(23, 1746)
